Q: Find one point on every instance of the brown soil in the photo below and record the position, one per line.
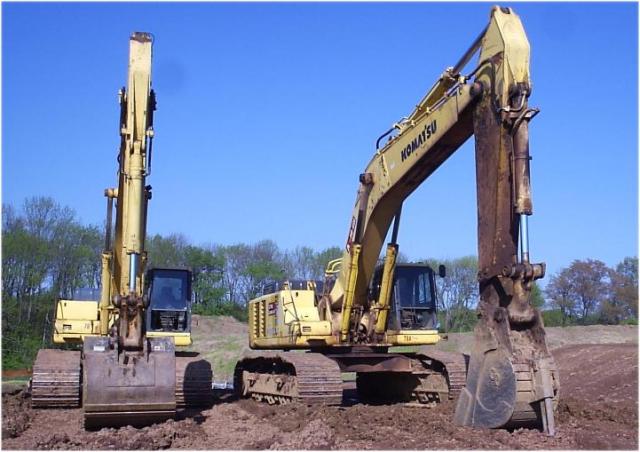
(13, 373)
(598, 410)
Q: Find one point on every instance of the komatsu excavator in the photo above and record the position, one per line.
(127, 371)
(352, 323)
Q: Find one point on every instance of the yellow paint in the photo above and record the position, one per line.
(385, 288)
(180, 339)
(288, 319)
(412, 337)
(77, 310)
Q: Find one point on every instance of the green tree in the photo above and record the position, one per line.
(249, 267)
(47, 254)
(561, 296)
(590, 283)
(236, 258)
(260, 273)
(457, 293)
(207, 268)
(300, 263)
(77, 263)
(553, 317)
(169, 251)
(581, 290)
(322, 258)
(623, 301)
(537, 297)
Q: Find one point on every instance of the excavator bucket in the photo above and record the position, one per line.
(128, 388)
(512, 380)
(488, 401)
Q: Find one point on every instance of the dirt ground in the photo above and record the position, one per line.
(598, 410)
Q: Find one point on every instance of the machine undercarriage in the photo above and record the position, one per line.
(380, 376)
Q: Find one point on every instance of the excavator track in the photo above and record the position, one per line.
(56, 379)
(279, 378)
(455, 365)
(194, 381)
(435, 377)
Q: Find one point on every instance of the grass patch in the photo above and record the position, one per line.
(15, 381)
(404, 349)
(349, 376)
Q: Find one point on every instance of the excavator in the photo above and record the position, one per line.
(128, 371)
(362, 310)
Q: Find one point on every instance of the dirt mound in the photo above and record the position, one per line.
(19, 373)
(388, 427)
(207, 327)
(558, 337)
(16, 413)
(607, 373)
(598, 410)
(591, 334)
(221, 340)
(599, 394)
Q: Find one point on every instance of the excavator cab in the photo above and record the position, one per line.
(413, 297)
(169, 313)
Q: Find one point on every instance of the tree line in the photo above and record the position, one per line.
(584, 293)
(47, 253)
(587, 291)
(226, 277)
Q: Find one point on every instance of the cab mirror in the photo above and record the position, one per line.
(442, 271)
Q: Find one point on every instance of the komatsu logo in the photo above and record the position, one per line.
(419, 140)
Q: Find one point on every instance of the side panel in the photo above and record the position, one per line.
(180, 339)
(77, 310)
(412, 337)
(289, 319)
(75, 320)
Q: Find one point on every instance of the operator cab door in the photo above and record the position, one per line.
(169, 292)
(413, 300)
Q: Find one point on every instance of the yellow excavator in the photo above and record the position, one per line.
(128, 371)
(361, 311)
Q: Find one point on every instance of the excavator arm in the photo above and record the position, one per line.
(136, 132)
(127, 376)
(128, 371)
(511, 375)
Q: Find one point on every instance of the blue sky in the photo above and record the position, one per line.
(267, 113)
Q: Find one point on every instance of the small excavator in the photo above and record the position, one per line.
(128, 371)
(351, 323)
